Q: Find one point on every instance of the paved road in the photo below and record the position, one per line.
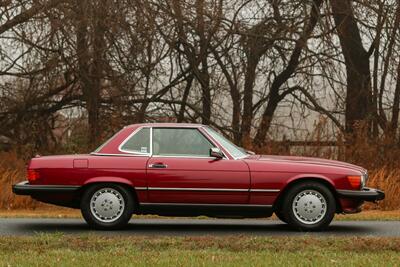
(182, 227)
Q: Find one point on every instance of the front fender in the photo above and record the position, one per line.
(299, 178)
(304, 176)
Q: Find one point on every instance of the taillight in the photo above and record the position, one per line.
(33, 175)
(355, 181)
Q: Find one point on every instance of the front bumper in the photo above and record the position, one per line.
(365, 194)
(24, 188)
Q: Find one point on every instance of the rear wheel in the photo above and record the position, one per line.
(309, 206)
(107, 206)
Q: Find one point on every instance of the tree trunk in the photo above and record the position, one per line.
(358, 97)
(83, 54)
(141, 116)
(247, 118)
(91, 63)
(392, 128)
(204, 75)
(189, 82)
(274, 96)
(206, 90)
(396, 105)
(235, 96)
(256, 45)
(231, 79)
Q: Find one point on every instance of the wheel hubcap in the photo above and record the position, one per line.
(107, 205)
(309, 206)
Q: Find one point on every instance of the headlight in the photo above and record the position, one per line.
(364, 179)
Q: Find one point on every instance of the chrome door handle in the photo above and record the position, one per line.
(158, 166)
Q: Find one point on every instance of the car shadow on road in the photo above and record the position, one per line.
(193, 227)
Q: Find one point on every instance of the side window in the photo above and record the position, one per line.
(139, 142)
(180, 142)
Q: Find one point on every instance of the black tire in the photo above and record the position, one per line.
(280, 216)
(124, 216)
(309, 186)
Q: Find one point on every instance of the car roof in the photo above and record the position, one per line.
(166, 124)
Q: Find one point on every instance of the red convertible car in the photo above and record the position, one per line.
(192, 170)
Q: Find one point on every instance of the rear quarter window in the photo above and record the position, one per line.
(139, 142)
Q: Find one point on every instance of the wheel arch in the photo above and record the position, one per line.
(109, 180)
(314, 178)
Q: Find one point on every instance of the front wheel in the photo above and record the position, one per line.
(107, 206)
(280, 216)
(309, 206)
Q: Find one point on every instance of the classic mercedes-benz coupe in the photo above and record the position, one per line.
(192, 170)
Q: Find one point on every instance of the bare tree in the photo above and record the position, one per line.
(275, 96)
(249, 68)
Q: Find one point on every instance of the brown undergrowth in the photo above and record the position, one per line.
(12, 170)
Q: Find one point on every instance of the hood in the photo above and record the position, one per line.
(310, 160)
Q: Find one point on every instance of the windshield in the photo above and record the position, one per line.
(234, 150)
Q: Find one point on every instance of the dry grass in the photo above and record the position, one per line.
(41, 212)
(12, 170)
(370, 215)
(387, 180)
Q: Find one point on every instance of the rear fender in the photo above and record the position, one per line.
(139, 196)
(108, 179)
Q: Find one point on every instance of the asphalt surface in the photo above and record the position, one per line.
(193, 227)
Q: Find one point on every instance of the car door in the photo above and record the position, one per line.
(181, 170)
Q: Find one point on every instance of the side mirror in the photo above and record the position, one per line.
(215, 152)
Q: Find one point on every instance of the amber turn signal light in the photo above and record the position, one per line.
(33, 175)
(355, 181)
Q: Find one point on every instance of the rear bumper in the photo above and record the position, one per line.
(24, 188)
(366, 194)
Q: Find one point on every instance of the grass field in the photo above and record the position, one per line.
(60, 250)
